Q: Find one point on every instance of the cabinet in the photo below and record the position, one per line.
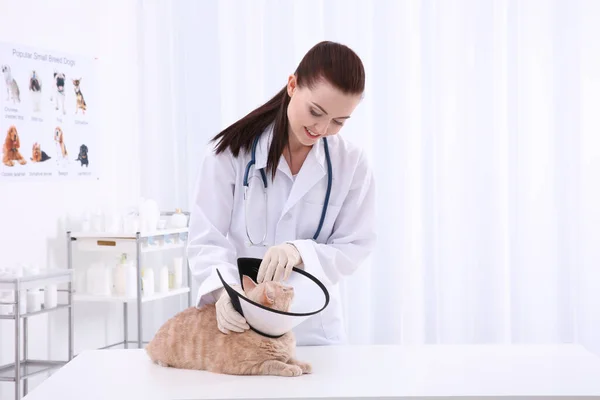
(24, 367)
(136, 244)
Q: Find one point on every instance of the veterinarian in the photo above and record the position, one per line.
(282, 185)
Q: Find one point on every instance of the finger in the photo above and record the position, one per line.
(288, 269)
(271, 269)
(234, 317)
(284, 260)
(227, 323)
(231, 324)
(262, 269)
(224, 330)
(279, 270)
(278, 275)
(220, 324)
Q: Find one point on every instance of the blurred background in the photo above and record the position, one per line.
(481, 119)
(482, 122)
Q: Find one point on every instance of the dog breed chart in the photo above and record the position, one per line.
(47, 108)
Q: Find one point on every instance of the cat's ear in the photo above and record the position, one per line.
(247, 283)
(269, 294)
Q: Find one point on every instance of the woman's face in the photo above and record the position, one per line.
(317, 112)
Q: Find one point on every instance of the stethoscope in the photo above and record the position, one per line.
(264, 179)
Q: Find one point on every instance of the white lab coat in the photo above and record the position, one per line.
(217, 231)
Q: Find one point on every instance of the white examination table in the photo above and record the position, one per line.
(362, 372)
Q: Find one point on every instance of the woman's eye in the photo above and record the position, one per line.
(314, 113)
(338, 122)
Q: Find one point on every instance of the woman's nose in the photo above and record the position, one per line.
(323, 127)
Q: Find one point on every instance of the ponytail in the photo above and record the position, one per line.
(241, 134)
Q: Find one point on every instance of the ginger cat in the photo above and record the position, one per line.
(192, 340)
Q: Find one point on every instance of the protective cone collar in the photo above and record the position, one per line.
(310, 298)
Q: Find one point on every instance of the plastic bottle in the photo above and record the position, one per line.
(178, 220)
(163, 279)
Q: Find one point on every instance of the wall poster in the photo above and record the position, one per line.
(48, 104)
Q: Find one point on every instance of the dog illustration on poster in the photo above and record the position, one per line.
(79, 100)
(59, 91)
(35, 88)
(37, 154)
(82, 157)
(61, 148)
(10, 149)
(12, 88)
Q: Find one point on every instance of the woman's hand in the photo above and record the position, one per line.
(278, 262)
(229, 320)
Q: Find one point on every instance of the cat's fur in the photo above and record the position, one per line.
(192, 340)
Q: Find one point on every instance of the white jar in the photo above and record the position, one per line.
(177, 272)
(163, 286)
(130, 280)
(148, 281)
(50, 296)
(34, 300)
(178, 220)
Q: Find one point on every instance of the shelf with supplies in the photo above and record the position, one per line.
(132, 277)
(159, 240)
(128, 235)
(26, 294)
(125, 299)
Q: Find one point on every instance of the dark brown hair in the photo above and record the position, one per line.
(333, 62)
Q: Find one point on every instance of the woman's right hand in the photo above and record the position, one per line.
(228, 319)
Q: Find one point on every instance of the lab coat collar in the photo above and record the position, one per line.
(312, 171)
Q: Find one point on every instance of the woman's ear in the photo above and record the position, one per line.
(291, 85)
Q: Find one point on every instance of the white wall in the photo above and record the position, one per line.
(588, 298)
(107, 30)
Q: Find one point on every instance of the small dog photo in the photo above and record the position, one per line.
(38, 155)
(80, 101)
(83, 156)
(10, 150)
(59, 91)
(61, 148)
(35, 88)
(12, 88)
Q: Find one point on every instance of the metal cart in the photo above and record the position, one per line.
(23, 367)
(132, 244)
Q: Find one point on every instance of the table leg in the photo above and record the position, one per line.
(125, 318)
(71, 314)
(17, 342)
(139, 289)
(25, 354)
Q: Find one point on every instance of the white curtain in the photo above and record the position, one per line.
(482, 120)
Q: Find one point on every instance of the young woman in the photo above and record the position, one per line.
(280, 184)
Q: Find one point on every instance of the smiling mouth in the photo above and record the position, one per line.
(310, 133)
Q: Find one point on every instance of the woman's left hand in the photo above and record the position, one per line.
(278, 262)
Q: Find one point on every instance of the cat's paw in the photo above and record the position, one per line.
(291, 370)
(305, 367)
